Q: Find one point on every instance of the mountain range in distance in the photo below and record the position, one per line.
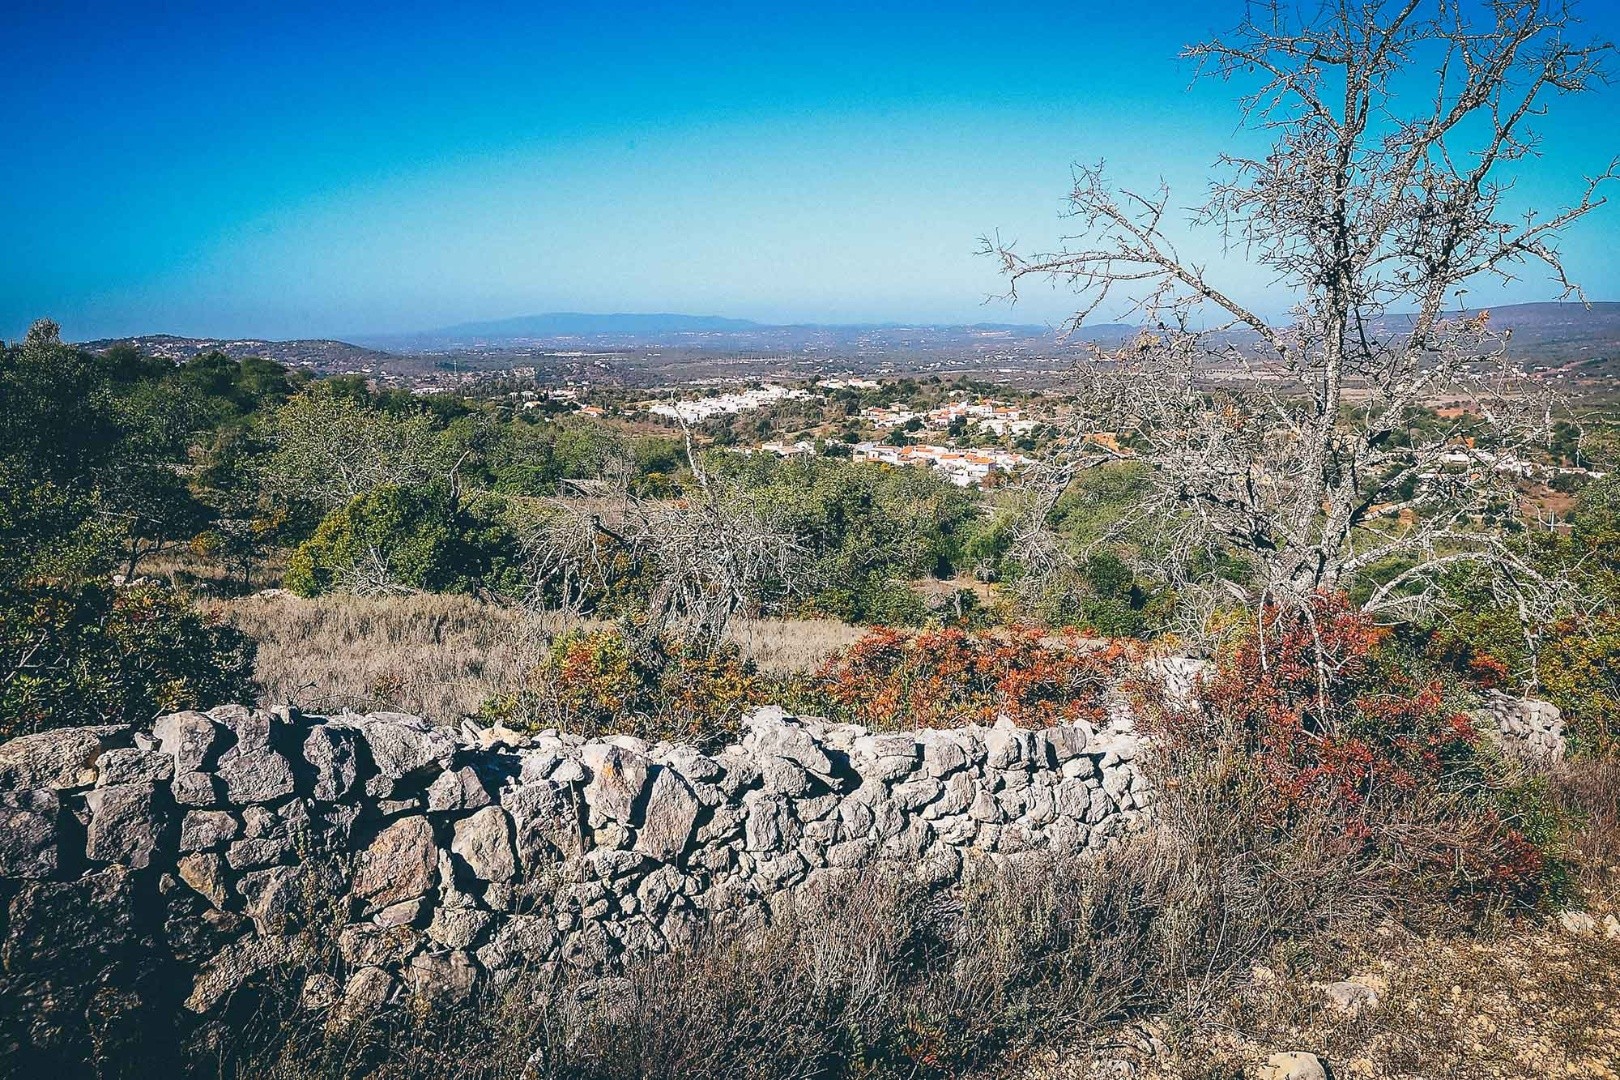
(1550, 335)
(577, 329)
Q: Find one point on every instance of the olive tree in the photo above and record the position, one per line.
(1395, 128)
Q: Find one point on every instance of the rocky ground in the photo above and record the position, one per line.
(1525, 999)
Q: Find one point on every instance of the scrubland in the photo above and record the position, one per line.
(443, 656)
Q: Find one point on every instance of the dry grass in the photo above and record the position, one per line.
(786, 646)
(436, 656)
(441, 656)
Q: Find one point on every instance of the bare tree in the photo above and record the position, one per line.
(702, 558)
(1395, 126)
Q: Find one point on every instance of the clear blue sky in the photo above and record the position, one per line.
(313, 169)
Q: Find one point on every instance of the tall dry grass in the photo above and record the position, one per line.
(436, 656)
(442, 656)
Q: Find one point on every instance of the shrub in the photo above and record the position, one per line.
(596, 682)
(943, 678)
(400, 539)
(89, 653)
(1327, 715)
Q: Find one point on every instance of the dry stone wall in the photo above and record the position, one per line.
(1527, 729)
(149, 875)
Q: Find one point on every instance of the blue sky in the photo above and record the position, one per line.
(295, 169)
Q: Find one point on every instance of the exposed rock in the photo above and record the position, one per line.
(254, 773)
(192, 739)
(1293, 1065)
(444, 979)
(206, 874)
(546, 824)
(458, 789)
(459, 928)
(400, 863)
(1351, 996)
(331, 752)
(275, 899)
(130, 765)
(320, 991)
(259, 852)
(196, 789)
(207, 830)
(618, 777)
(60, 759)
(235, 964)
(403, 746)
(787, 740)
(28, 833)
(670, 818)
(483, 842)
(123, 824)
(444, 861)
(367, 991)
(362, 944)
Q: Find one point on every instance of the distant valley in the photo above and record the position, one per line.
(1582, 343)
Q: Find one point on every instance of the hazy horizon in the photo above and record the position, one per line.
(300, 173)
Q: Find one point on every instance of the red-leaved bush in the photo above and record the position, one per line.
(943, 678)
(1337, 726)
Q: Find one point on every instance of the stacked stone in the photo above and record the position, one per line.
(1530, 730)
(221, 843)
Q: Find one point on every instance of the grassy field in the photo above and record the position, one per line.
(441, 656)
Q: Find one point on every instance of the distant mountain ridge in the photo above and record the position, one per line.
(1584, 340)
(321, 353)
(635, 329)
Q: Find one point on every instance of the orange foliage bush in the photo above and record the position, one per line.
(595, 683)
(1337, 725)
(942, 678)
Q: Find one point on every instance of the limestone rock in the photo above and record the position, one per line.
(234, 965)
(483, 842)
(331, 752)
(28, 833)
(781, 738)
(459, 928)
(546, 825)
(363, 945)
(276, 899)
(366, 991)
(207, 830)
(618, 777)
(254, 774)
(670, 818)
(192, 739)
(259, 852)
(1293, 1065)
(206, 874)
(130, 765)
(458, 789)
(58, 760)
(123, 824)
(400, 863)
(1351, 996)
(443, 979)
(403, 746)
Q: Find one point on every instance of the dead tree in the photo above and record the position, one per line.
(701, 559)
(1395, 127)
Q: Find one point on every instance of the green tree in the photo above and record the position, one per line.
(73, 648)
(407, 539)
